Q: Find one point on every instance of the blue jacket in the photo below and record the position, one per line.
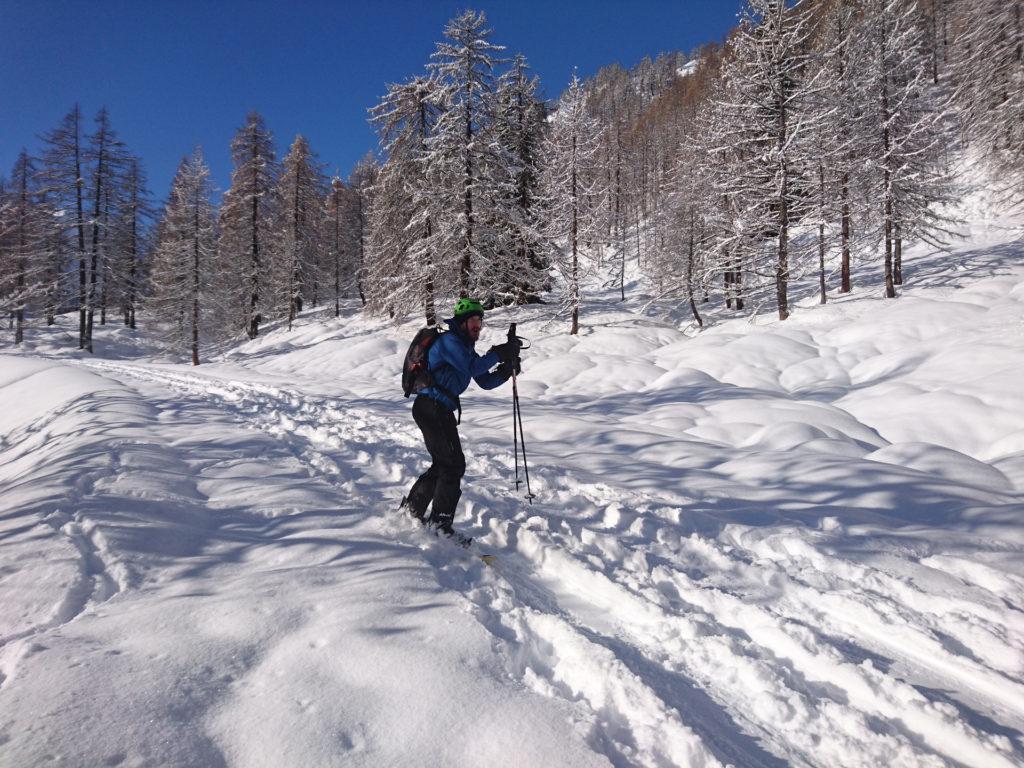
(453, 362)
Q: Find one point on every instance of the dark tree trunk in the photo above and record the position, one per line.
(94, 255)
(195, 281)
(362, 249)
(821, 232)
(689, 276)
(897, 255)
(845, 285)
(890, 288)
(465, 267)
(575, 329)
(80, 225)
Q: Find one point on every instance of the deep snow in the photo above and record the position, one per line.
(763, 544)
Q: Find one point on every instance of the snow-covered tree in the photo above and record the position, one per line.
(768, 117)
(338, 244)
(23, 243)
(107, 160)
(405, 235)
(463, 66)
(520, 269)
(679, 263)
(246, 222)
(64, 163)
(362, 185)
(300, 192)
(911, 131)
(573, 192)
(842, 142)
(184, 256)
(129, 238)
(988, 70)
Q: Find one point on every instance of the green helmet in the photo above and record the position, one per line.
(467, 307)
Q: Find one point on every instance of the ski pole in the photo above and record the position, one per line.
(518, 435)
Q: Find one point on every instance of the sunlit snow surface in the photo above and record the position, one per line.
(765, 544)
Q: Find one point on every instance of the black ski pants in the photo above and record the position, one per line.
(441, 483)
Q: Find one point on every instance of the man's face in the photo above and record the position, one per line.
(473, 326)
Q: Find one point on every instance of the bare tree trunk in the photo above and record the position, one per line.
(195, 281)
(897, 256)
(737, 281)
(80, 225)
(94, 257)
(465, 267)
(845, 285)
(890, 289)
(821, 231)
(254, 264)
(575, 247)
(689, 276)
(428, 299)
(782, 271)
(727, 277)
(19, 291)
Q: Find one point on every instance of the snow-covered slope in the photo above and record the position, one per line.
(766, 544)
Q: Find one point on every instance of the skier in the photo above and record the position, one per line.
(452, 362)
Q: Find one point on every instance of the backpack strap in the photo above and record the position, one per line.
(447, 393)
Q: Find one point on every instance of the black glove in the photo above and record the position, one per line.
(506, 370)
(508, 353)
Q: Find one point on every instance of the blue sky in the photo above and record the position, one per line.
(179, 74)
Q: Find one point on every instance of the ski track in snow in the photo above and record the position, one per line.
(746, 649)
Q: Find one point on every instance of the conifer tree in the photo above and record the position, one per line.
(405, 236)
(300, 192)
(22, 244)
(338, 245)
(909, 119)
(246, 222)
(519, 133)
(107, 159)
(768, 118)
(463, 65)
(573, 192)
(129, 239)
(989, 77)
(64, 165)
(362, 185)
(184, 256)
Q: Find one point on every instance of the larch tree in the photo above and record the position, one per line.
(337, 241)
(247, 218)
(107, 160)
(300, 192)
(839, 143)
(406, 208)
(988, 69)
(184, 256)
(463, 65)
(911, 131)
(768, 120)
(519, 133)
(573, 191)
(64, 164)
(23, 241)
(129, 239)
(362, 187)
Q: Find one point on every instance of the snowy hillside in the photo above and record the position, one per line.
(767, 544)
